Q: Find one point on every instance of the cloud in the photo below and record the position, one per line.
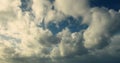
(71, 43)
(44, 10)
(58, 10)
(23, 41)
(72, 7)
(101, 28)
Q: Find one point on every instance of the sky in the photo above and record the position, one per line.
(59, 31)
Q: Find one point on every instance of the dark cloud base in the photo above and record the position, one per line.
(77, 59)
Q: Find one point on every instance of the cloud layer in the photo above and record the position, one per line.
(26, 36)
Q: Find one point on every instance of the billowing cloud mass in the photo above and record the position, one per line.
(103, 26)
(58, 31)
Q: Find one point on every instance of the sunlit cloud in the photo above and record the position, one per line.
(58, 31)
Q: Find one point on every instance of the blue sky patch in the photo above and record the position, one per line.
(110, 4)
(71, 23)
